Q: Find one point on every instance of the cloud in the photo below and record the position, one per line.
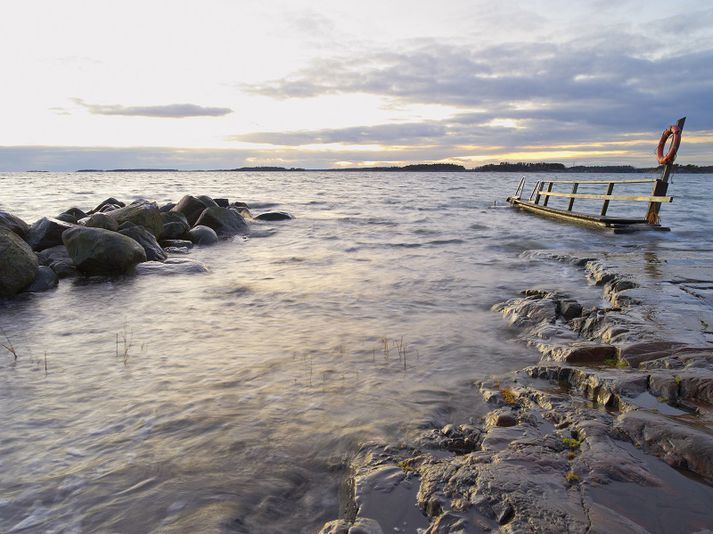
(365, 135)
(613, 81)
(169, 111)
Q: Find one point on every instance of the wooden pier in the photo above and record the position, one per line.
(538, 200)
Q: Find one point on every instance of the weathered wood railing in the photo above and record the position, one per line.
(539, 193)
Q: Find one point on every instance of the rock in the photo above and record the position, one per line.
(579, 352)
(274, 216)
(638, 352)
(142, 213)
(202, 235)
(191, 207)
(46, 233)
(143, 237)
(111, 201)
(243, 212)
(224, 221)
(239, 205)
(46, 279)
(101, 220)
(176, 243)
(569, 309)
(222, 202)
(676, 443)
(57, 258)
(502, 418)
(171, 266)
(175, 225)
(18, 264)
(99, 251)
(167, 207)
(106, 208)
(528, 311)
(76, 213)
(14, 224)
(207, 201)
(177, 250)
(66, 217)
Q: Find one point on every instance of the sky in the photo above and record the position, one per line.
(331, 83)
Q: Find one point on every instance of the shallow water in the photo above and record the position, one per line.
(233, 400)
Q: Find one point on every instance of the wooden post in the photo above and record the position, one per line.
(539, 190)
(571, 200)
(547, 198)
(605, 206)
(661, 185)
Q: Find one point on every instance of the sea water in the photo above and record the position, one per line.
(233, 400)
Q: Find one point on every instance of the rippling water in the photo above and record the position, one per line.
(239, 395)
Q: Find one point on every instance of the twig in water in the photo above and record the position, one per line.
(8, 346)
(385, 340)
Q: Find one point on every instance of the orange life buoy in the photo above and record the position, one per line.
(674, 131)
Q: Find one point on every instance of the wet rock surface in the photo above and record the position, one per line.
(98, 251)
(612, 431)
(18, 264)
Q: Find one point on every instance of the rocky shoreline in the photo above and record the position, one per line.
(115, 238)
(574, 443)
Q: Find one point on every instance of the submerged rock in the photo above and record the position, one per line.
(224, 221)
(46, 279)
(99, 251)
(274, 216)
(171, 266)
(18, 264)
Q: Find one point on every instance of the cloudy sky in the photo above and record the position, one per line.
(330, 83)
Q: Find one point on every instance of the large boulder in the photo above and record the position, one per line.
(99, 251)
(13, 223)
(191, 207)
(46, 233)
(175, 225)
(18, 264)
(101, 220)
(224, 221)
(57, 258)
(146, 239)
(202, 235)
(142, 213)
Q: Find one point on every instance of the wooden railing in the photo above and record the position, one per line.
(539, 192)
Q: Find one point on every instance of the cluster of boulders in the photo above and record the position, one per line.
(113, 238)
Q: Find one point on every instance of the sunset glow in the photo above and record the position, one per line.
(315, 84)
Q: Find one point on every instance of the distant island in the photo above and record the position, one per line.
(519, 167)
